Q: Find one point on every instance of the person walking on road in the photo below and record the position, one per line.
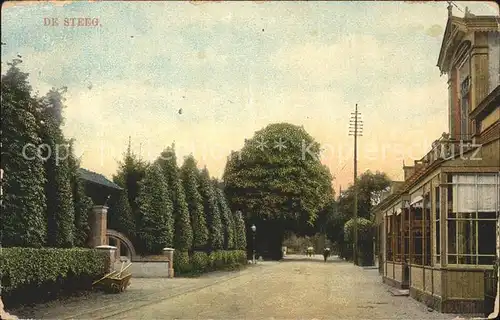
(326, 253)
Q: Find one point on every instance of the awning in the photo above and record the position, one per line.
(416, 200)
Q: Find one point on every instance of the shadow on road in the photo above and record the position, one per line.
(315, 258)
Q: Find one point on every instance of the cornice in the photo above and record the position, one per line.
(456, 29)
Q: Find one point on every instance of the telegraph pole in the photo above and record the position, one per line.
(356, 130)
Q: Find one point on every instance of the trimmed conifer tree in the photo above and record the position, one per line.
(23, 206)
(155, 208)
(183, 232)
(81, 202)
(226, 217)
(189, 177)
(120, 217)
(131, 172)
(212, 212)
(241, 238)
(58, 190)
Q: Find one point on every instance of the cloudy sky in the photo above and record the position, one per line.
(236, 67)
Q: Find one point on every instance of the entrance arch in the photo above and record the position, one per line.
(122, 240)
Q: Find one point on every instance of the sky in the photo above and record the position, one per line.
(236, 67)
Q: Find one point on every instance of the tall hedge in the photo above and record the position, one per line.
(155, 230)
(227, 219)
(212, 212)
(183, 233)
(58, 191)
(241, 239)
(33, 275)
(81, 202)
(189, 177)
(24, 208)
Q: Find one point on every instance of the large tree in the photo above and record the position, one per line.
(58, 189)
(189, 177)
(155, 230)
(183, 233)
(278, 177)
(23, 206)
(212, 212)
(370, 187)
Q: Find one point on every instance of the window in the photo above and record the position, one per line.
(437, 226)
(388, 242)
(406, 231)
(472, 218)
(464, 108)
(426, 229)
(397, 235)
(417, 235)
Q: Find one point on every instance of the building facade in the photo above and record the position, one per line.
(438, 232)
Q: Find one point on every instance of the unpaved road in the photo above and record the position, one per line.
(297, 288)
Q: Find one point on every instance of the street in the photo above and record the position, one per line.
(296, 288)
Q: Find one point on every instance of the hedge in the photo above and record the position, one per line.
(27, 272)
(199, 262)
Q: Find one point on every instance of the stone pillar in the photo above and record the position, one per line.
(98, 226)
(169, 252)
(110, 254)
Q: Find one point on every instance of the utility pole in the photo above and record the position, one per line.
(356, 130)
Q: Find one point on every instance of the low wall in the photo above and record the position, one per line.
(154, 266)
(149, 269)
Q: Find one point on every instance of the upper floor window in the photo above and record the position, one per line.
(464, 108)
(464, 89)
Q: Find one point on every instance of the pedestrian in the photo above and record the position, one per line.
(326, 253)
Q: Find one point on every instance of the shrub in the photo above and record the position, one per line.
(26, 273)
(241, 256)
(181, 262)
(217, 259)
(199, 261)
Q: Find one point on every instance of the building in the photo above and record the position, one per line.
(438, 232)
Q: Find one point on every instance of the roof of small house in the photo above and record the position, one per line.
(97, 178)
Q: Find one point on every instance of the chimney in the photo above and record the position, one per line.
(408, 170)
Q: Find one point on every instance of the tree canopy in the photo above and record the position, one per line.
(278, 175)
(337, 215)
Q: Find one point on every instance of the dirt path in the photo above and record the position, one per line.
(303, 288)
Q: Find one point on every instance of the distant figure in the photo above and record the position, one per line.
(310, 251)
(326, 253)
